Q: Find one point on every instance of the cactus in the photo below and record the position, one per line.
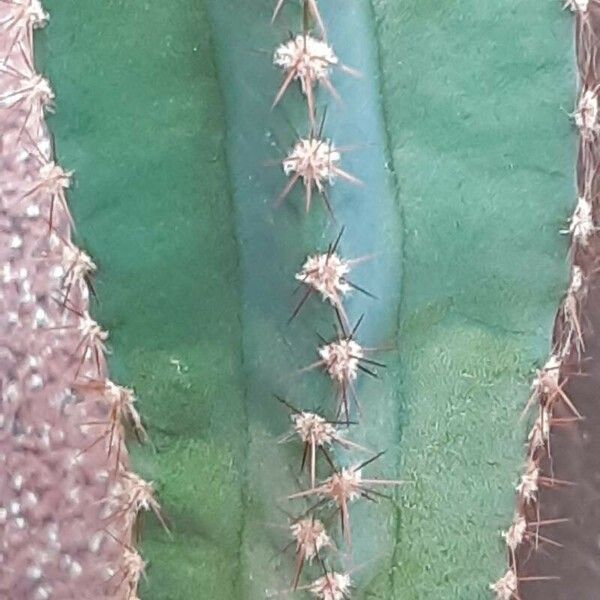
(69, 502)
(553, 491)
(196, 267)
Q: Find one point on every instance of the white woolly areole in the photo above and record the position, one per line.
(516, 532)
(332, 586)
(309, 58)
(34, 88)
(28, 12)
(90, 329)
(123, 400)
(35, 13)
(76, 262)
(55, 177)
(576, 280)
(131, 494)
(139, 493)
(553, 365)
(325, 273)
(310, 537)
(38, 88)
(314, 160)
(133, 567)
(343, 486)
(312, 428)
(548, 377)
(540, 432)
(341, 359)
(506, 587)
(582, 222)
(586, 115)
(577, 5)
(528, 486)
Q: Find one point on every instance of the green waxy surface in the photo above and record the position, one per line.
(139, 121)
(474, 94)
(466, 156)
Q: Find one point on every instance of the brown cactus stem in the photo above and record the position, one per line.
(66, 531)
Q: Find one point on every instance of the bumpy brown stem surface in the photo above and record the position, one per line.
(64, 527)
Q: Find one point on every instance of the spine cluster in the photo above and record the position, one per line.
(315, 163)
(551, 403)
(69, 504)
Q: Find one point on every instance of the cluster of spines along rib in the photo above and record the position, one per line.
(550, 403)
(314, 163)
(68, 502)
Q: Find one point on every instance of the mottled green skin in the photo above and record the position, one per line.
(475, 94)
(139, 120)
(467, 164)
